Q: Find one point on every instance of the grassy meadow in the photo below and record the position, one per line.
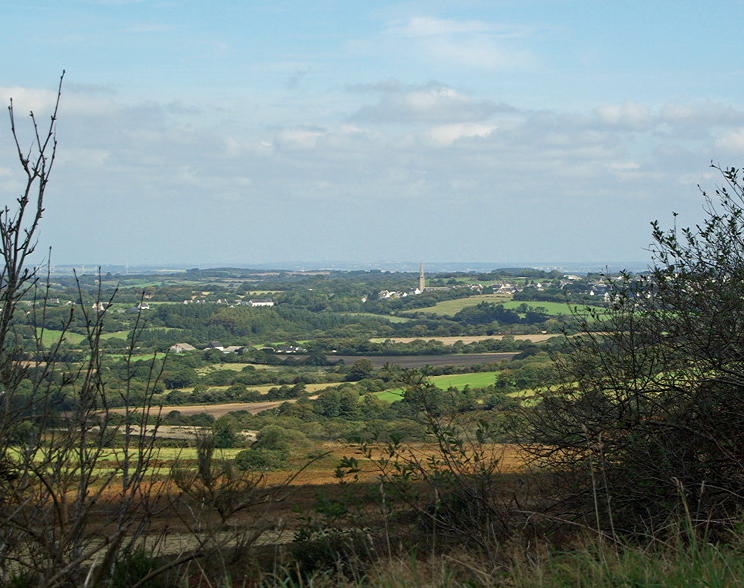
(458, 381)
(51, 337)
(386, 317)
(452, 307)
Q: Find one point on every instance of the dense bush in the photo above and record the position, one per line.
(650, 415)
(272, 448)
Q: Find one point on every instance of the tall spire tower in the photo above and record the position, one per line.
(422, 281)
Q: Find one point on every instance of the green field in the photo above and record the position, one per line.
(163, 458)
(386, 317)
(459, 381)
(557, 308)
(135, 283)
(51, 337)
(236, 367)
(553, 308)
(189, 453)
(116, 335)
(390, 395)
(452, 307)
(125, 334)
(136, 357)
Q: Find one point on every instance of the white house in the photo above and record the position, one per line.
(260, 302)
(181, 347)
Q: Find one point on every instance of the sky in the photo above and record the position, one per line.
(226, 132)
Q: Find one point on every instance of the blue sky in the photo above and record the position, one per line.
(201, 132)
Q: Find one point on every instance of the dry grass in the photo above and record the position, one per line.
(511, 460)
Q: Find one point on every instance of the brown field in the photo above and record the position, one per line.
(510, 457)
(322, 471)
(472, 339)
(172, 527)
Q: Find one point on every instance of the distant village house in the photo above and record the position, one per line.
(260, 302)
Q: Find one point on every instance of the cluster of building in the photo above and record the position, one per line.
(185, 347)
(385, 294)
(253, 302)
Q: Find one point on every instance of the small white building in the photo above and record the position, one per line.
(260, 302)
(181, 347)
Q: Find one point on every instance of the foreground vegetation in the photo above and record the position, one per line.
(589, 563)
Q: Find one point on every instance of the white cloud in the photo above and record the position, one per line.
(84, 158)
(677, 112)
(446, 43)
(90, 106)
(628, 115)
(354, 130)
(448, 134)
(427, 26)
(701, 115)
(27, 100)
(432, 102)
(732, 141)
(298, 138)
(622, 166)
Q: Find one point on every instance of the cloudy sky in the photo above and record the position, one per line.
(237, 132)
